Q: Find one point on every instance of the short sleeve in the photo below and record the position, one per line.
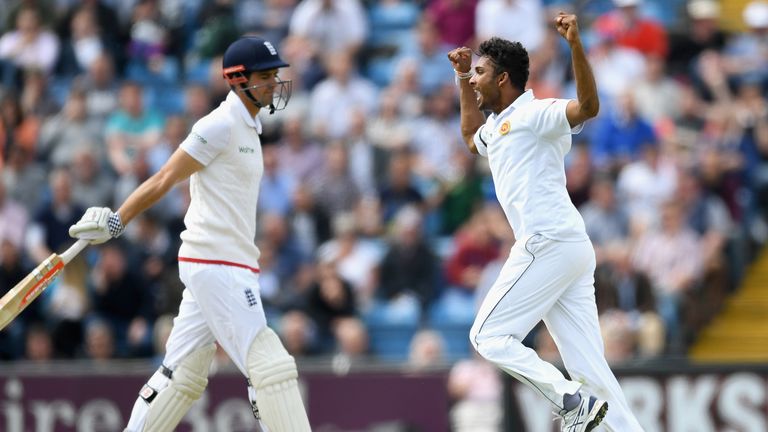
(551, 120)
(207, 139)
(481, 140)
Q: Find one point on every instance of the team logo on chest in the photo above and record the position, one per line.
(504, 129)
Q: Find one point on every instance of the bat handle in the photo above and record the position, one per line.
(73, 250)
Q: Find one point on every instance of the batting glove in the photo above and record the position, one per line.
(97, 225)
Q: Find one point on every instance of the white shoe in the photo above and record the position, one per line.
(586, 416)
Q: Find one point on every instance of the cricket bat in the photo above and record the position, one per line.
(26, 291)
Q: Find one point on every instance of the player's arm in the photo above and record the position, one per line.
(587, 103)
(178, 168)
(100, 224)
(471, 116)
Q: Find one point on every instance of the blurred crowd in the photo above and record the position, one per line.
(379, 232)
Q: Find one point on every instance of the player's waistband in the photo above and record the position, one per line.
(218, 262)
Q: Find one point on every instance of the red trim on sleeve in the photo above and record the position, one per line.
(218, 262)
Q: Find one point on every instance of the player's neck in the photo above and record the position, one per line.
(508, 97)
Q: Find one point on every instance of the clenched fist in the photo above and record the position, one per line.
(461, 59)
(567, 26)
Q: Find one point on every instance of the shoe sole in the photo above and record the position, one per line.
(598, 418)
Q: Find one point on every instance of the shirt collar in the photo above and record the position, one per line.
(238, 105)
(521, 101)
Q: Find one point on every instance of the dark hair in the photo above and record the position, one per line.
(509, 57)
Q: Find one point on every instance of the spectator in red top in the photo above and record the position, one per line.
(454, 19)
(632, 30)
(475, 246)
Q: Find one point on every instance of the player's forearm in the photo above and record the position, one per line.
(145, 196)
(586, 88)
(471, 116)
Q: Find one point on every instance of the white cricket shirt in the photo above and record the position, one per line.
(221, 220)
(526, 146)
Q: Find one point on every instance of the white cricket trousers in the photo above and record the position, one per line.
(221, 304)
(554, 281)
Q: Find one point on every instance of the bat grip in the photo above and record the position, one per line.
(73, 250)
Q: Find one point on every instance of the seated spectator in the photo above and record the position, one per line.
(308, 221)
(92, 185)
(618, 337)
(297, 152)
(430, 55)
(351, 339)
(519, 20)
(297, 333)
(101, 88)
(333, 188)
(132, 129)
(645, 184)
(475, 387)
(355, 259)
(475, 247)
(427, 351)
(99, 341)
(329, 301)
(28, 46)
(409, 268)
(334, 99)
(619, 136)
(454, 19)
(70, 130)
(702, 34)
(85, 43)
(39, 346)
(277, 184)
(632, 30)
(605, 218)
(672, 259)
(48, 231)
(122, 298)
(13, 219)
(399, 190)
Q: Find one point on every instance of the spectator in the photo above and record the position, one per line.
(475, 247)
(39, 346)
(297, 152)
(277, 184)
(84, 44)
(430, 55)
(70, 130)
(101, 88)
(329, 301)
(426, 352)
(355, 260)
(702, 34)
(48, 230)
(454, 19)
(399, 190)
(29, 46)
(409, 268)
(13, 219)
(99, 341)
(309, 222)
(131, 130)
(656, 95)
(476, 387)
(619, 135)
(334, 99)
(645, 184)
(122, 297)
(92, 186)
(329, 26)
(334, 189)
(517, 20)
(672, 259)
(632, 30)
(605, 218)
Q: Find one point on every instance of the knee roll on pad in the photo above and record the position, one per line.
(273, 374)
(168, 405)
